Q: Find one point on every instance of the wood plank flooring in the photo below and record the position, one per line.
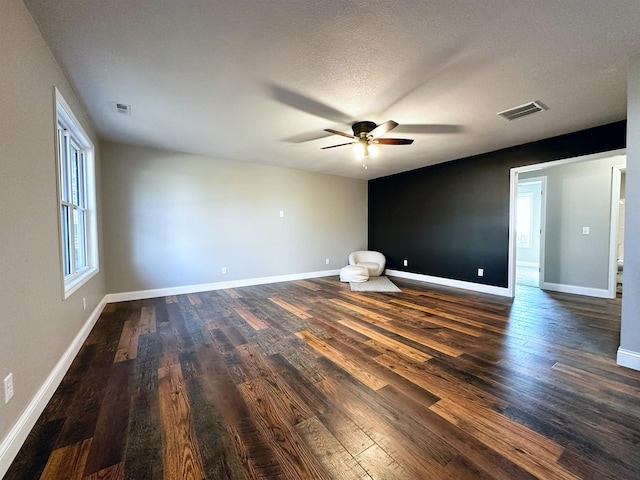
(308, 380)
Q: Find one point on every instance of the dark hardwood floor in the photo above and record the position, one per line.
(308, 380)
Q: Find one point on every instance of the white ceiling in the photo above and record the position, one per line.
(258, 81)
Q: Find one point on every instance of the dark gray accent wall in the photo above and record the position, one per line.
(450, 219)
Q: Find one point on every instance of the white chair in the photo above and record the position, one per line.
(374, 261)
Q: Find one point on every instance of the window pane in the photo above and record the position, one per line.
(66, 241)
(79, 223)
(64, 164)
(81, 180)
(523, 220)
(75, 174)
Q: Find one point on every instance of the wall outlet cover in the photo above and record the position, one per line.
(8, 388)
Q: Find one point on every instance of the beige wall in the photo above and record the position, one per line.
(173, 219)
(37, 325)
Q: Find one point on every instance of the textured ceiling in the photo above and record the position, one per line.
(259, 81)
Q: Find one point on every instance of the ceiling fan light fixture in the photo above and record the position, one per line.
(373, 149)
(366, 136)
(360, 150)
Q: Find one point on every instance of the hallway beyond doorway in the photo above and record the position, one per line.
(529, 276)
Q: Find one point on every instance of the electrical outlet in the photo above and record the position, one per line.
(224, 270)
(326, 261)
(281, 213)
(8, 388)
(481, 272)
(406, 263)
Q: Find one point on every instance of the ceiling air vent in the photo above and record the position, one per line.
(122, 108)
(523, 110)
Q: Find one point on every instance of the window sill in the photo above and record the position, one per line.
(77, 281)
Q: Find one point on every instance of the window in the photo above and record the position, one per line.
(524, 218)
(76, 188)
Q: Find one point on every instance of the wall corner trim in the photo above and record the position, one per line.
(628, 358)
(476, 287)
(205, 287)
(11, 444)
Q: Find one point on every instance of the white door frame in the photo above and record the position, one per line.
(616, 181)
(513, 196)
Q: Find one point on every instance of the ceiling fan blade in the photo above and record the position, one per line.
(340, 145)
(382, 129)
(307, 104)
(305, 137)
(393, 141)
(336, 132)
(430, 128)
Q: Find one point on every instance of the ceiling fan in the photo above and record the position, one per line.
(366, 138)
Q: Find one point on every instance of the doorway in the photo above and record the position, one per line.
(616, 254)
(566, 266)
(529, 211)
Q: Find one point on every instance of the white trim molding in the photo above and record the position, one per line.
(476, 287)
(12, 443)
(576, 290)
(205, 287)
(628, 358)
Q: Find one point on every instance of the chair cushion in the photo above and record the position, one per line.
(373, 267)
(354, 273)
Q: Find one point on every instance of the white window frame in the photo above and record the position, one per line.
(71, 140)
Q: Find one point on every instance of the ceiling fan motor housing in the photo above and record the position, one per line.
(362, 129)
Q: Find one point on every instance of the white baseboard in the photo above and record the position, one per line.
(205, 287)
(587, 291)
(12, 443)
(628, 358)
(476, 287)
